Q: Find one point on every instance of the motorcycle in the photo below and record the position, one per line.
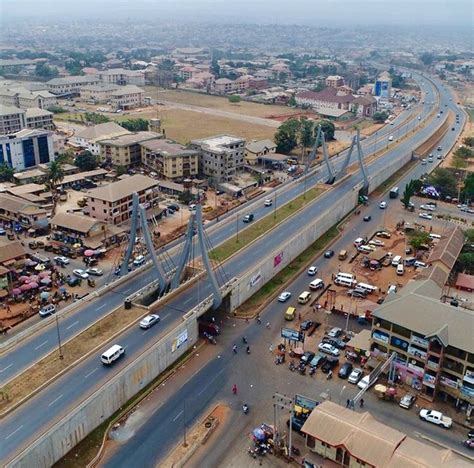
(329, 376)
(244, 340)
(248, 350)
(245, 408)
(292, 367)
(312, 371)
(280, 359)
(302, 369)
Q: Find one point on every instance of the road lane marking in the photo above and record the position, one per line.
(210, 381)
(72, 325)
(101, 307)
(56, 399)
(166, 316)
(13, 433)
(187, 301)
(42, 344)
(91, 372)
(5, 368)
(126, 291)
(178, 415)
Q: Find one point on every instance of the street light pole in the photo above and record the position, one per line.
(340, 394)
(61, 356)
(275, 206)
(185, 444)
(375, 142)
(237, 226)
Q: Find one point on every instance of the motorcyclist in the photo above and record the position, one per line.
(329, 375)
(248, 349)
(245, 408)
(244, 339)
(234, 389)
(234, 348)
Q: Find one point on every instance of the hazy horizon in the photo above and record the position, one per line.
(326, 13)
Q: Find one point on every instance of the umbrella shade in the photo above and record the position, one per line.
(44, 295)
(44, 274)
(34, 278)
(33, 285)
(62, 289)
(23, 278)
(77, 246)
(89, 253)
(16, 291)
(259, 434)
(39, 267)
(30, 263)
(25, 287)
(45, 281)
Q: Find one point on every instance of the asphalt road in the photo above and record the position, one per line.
(257, 379)
(31, 350)
(32, 418)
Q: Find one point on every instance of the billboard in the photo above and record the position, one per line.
(277, 259)
(255, 279)
(179, 340)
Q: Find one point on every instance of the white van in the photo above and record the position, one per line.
(359, 241)
(400, 269)
(392, 289)
(112, 354)
(304, 297)
(367, 287)
(348, 283)
(435, 236)
(366, 249)
(396, 260)
(346, 275)
(318, 283)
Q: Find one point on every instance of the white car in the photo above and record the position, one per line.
(364, 383)
(390, 138)
(284, 296)
(383, 205)
(423, 162)
(61, 260)
(355, 376)
(312, 270)
(328, 349)
(268, 202)
(149, 321)
(427, 207)
(425, 215)
(376, 242)
(81, 274)
(94, 271)
(140, 260)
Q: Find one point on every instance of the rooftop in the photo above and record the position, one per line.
(418, 308)
(73, 80)
(128, 89)
(10, 110)
(168, 148)
(103, 130)
(100, 87)
(219, 142)
(11, 251)
(123, 188)
(327, 95)
(33, 112)
(130, 138)
(260, 145)
(74, 222)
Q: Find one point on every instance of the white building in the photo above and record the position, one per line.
(127, 97)
(99, 93)
(90, 136)
(26, 149)
(120, 76)
(71, 84)
(12, 119)
(222, 156)
(39, 118)
(24, 98)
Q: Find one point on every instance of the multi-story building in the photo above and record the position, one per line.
(120, 76)
(221, 157)
(365, 106)
(127, 97)
(12, 119)
(18, 210)
(89, 137)
(170, 160)
(71, 85)
(39, 118)
(258, 83)
(188, 72)
(334, 81)
(223, 86)
(125, 150)
(24, 98)
(383, 86)
(326, 102)
(257, 148)
(26, 148)
(99, 93)
(112, 203)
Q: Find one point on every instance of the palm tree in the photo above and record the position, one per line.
(6, 172)
(54, 175)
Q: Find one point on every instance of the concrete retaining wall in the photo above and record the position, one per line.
(247, 285)
(69, 431)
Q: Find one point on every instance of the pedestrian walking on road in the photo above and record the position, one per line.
(234, 389)
(361, 402)
(348, 403)
(268, 325)
(257, 318)
(271, 348)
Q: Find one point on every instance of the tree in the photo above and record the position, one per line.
(45, 71)
(418, 238)
(86, 161)
(96, 118)
(54, 175)
(215, 68)
(234, 99)
(135, 125)
(468, 189)
(468, 141)
(328, 128)
(319, 86)
(445, 181)
(407, 194)
(120, 170)
(56, 109)
(469, 233)
(292, 101)
(465, 262)
(380, 117)
(285, 140)
(427, 58)
(306, 134)
(6, 172)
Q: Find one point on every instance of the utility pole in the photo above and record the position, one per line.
(185, 444)
(375, 142)
(285, 403)
(61, 356)
(237, 226)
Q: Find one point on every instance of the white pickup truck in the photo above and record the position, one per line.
(435, 417)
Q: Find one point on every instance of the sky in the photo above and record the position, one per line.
(308, 12)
